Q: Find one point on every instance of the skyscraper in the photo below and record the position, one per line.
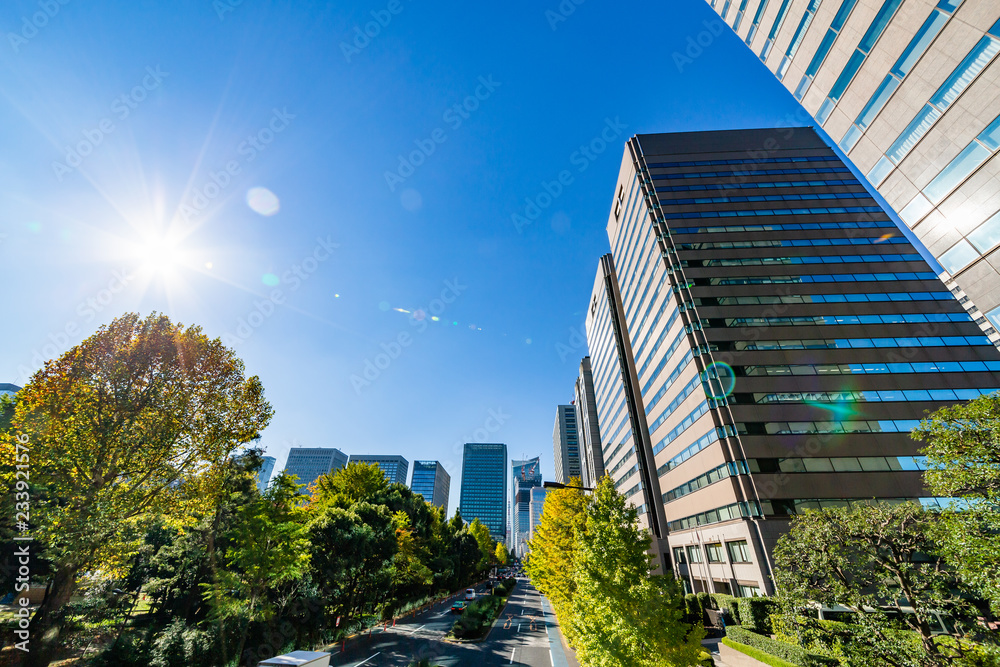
(535, 507)
(566, 444)
(525, 475)
(264, 474)
(308, 463)
(781, 338)
(394, 467)
(908, 90)
(484, 486)
(432, 481)
(591, 456)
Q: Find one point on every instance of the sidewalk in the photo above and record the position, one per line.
(562, 654)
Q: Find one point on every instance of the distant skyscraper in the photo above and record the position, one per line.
(591, 456)
(308, 463)
(432, 481)
(776, 349)
(535, 506)
(484, 486)
(566, 444)
(525, 475)
(264, 474)
(7, 388)
(394, 467)
(909, 90)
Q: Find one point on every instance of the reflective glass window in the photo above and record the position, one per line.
(957, 171)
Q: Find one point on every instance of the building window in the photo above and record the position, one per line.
(738, 552)
(694, 554)
(961, 255)
(749, 591)
(679, 556)
(714, 552)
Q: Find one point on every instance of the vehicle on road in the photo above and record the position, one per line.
(470, 593)
(459, 607)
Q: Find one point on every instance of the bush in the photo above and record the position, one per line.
(478, 617)
(179, 646)
(757, 654)
(693, 612)
(787, 652)
(129, 651)
(812, 634)
(755, 614)
(728, 605)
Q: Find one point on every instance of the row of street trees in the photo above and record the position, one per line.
(128, 454)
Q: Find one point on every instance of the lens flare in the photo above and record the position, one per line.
(720, 379)
(263, 201)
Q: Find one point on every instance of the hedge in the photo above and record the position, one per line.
(693, 612)
(728, 605)
(755, 614)
(793, 654)
(766, 658)
(477, 618)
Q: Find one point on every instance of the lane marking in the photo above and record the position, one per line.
(367, 659)
(512, 655)
(415, 631)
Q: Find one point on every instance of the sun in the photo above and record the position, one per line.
(159, 256)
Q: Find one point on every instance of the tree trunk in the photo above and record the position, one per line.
(46, 624)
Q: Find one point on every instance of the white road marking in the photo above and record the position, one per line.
(512, 655)
(415, 631)
(518, 627)
(367, 659)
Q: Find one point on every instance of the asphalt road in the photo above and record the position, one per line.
(520, 637)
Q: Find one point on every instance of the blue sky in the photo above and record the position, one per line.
(138, 136)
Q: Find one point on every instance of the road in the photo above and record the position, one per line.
(520, 637)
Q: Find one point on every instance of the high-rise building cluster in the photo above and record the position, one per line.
(762, 336)
(526, 475)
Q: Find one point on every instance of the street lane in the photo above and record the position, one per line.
(519, 637)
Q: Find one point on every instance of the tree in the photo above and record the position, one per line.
(552, 564)
(352, 483)
(485, 542)
(963, 455)
(501, 554)
(874, 559)
(132, 423)
(267, 548)
(621, 613)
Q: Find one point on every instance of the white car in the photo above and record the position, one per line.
(470, 593)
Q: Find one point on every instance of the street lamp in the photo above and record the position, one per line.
(557, 485)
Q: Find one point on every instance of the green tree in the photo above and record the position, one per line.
(874, 559)
(352, 483)
(485, 542)
(268, 547)
(133, 423)
(501, 554)
(552, 564)
(623, 614)
(963, 455)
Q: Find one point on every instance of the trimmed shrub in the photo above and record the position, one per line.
(478, 617)
(705, 602)
(693, 613)
(757, 654)
(787, 652)
(755, 614)
(728, 605)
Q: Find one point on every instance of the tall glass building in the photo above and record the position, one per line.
(484, 486)
(566, 444)
(308, 463)
(264, 474)
(909, 90)
(779, 338)
(535, 507)
(394, 467)
(432, 481)
(525, 476)
(591, 456)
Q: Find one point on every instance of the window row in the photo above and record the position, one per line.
(850, 426)
(717, 515)
(856, 343)
(755, 172)
(832, 32)
(689, 451)
(840, 464)
(831, 320)
(869, 396)
(750, 198)
(701, 481)
(674, 374)
(685, 424)
(800, 32)
(797, 506)
(703, 163)
(775, 26)
(801, 259)
(788, 226)
(873, 368)
(775, 211)
(739, 552)
(754, 185)
(793, 243)
(979, 241)
(688, 389)
(663, 361)
(874, 297)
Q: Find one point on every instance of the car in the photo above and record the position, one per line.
(470, 593)
(459, 607)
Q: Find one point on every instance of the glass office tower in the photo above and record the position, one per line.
(432, 481)
(591, 457)
(566, 444)
(484, 487)
(394, 467)
(525, 475)
(782, 336)
(909, 90)
(308, 463)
